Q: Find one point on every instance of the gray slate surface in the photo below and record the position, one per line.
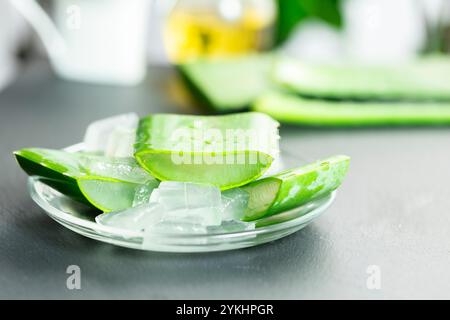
(393, 211)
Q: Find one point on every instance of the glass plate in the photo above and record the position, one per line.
(81, 219)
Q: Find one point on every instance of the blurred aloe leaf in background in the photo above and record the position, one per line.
(292, 12)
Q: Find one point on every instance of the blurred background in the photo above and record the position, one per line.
(114, 41)
(304, 62)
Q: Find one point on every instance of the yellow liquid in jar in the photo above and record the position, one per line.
(190, 35)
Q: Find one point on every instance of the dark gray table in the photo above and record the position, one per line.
(392, 212)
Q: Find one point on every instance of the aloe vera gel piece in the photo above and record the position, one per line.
(108, 184)
(293, 188)
(425, 79)
(225, 151)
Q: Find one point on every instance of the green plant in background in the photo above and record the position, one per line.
(438, 33)
(292, 12)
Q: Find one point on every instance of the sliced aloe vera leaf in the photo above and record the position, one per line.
(105, 183)
(55, 174)
(109, 194)
(288, 108)
(225, 151)
(425, 79)
(229, 84)
(295, 187)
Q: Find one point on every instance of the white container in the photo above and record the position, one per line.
(101, 41)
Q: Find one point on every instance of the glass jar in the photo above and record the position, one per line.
(218, 28)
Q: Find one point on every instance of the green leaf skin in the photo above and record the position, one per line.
(288, 108)
(105, 183)
(229, 84)
(295, 187)
(158, 147)
(425, 79)
(56, 176)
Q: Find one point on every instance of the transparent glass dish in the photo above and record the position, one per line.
(81, 219)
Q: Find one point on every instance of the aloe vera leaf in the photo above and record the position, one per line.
(426, 79)
(294, 187)
(105, 183)
(292, 109)
(229, 84)
(218, 150)
(110, 194)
